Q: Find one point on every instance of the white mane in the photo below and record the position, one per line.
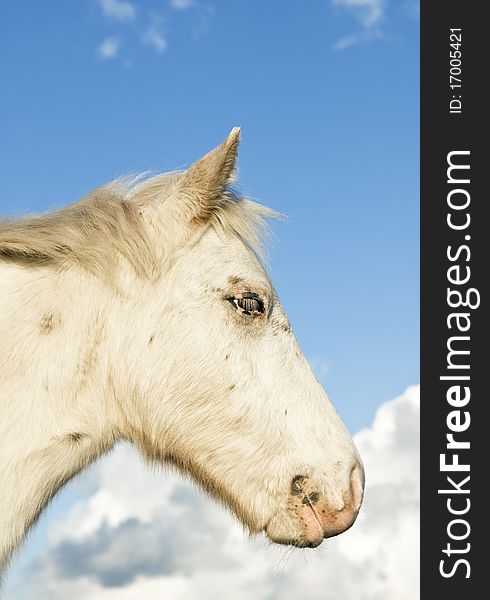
(108, 224)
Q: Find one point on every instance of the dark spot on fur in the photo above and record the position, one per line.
(74, 438)
(234, 280)
(280, 325)
(152, 337)
(47, 324)
(286, 412)
(227, 357)
(232, 387)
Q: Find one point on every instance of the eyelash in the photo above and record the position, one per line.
(248, 303)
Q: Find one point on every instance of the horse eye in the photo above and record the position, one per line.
(248, 303)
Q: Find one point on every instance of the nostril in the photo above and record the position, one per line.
(311, 498)
(298, 485)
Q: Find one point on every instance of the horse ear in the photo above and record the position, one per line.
(204, 182)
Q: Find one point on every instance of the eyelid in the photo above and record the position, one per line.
(251, 295)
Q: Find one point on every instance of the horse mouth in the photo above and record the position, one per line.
(301, 529)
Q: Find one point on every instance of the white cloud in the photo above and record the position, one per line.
(147, 27)
(109, 48)
(181, 4)
(155, 38)
(369, 13)
(120, 10)
(140, 534)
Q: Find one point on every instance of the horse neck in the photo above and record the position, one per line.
(53, 385)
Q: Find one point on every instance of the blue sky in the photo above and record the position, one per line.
(329, 137)
(326, 93)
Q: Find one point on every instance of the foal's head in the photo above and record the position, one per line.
(210, 376)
